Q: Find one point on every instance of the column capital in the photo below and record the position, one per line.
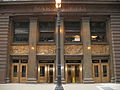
(85, 18)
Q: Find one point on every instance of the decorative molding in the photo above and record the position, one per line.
(100, 49)
(19, 50)
(73, 50)
(46, 50)
(72, 8)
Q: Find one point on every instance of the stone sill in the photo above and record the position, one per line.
(18, 43)
(79, 43)
(99, 43)
(43, 43)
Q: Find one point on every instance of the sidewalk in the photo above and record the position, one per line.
(99, 86)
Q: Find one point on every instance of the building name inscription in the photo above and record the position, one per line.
(65, 9)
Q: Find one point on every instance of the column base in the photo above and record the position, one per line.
(117, 80)
(32, 80)
(88, 80)
(7, 80)
(112, 79)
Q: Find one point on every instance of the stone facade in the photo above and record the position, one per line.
(84, 11)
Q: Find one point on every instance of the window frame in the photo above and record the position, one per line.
(103, 33)
(74, 30)
(46, 31)
(13, 32)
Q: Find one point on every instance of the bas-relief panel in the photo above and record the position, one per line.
(46, 50)
(19, 50)
(51, 50)
(73, 50)
(100, 49)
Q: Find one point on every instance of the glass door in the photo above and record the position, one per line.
(101, 72)
(23, 72)
(19, 71)
(46, 73)
(42, 73)
(15, 73)
(96, 73)
(105, 72)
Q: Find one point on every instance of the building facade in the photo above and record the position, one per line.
(90, 41)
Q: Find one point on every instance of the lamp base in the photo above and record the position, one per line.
(59, 88)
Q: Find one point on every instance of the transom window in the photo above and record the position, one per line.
(21, 32)
(98, 31)
(72, 31)
(47, 32)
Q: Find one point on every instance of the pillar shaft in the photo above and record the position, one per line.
(32, 66)
(87, 62)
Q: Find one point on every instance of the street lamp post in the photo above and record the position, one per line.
(58, 61)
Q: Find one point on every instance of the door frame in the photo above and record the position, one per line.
(19, 78)
(45, 78)
(100, 70)
(23, 79)
(80, 71)
(96, 79)
(105, 79)
(15, 79)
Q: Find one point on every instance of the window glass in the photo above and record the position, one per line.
(72, 31)
(47, 32)
(42, 70)
(15, 71)
(104, 71)
(47, 26)
(96, 72)
(98, 31)
(21, 31)
(24, 71)
(47, 37)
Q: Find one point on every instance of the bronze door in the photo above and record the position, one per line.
(15, 73)
(101, 72)
(50, 73)
(105, 72)
(73, 73)
(46, 73)
(23, 72)
(96, 73)
(19, 73)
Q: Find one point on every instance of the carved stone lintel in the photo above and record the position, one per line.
(73, 49)
(46, 49)
(100, 49)
(19, 50)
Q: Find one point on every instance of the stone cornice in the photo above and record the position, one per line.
(52, 2)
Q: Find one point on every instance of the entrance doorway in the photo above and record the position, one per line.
(19, 71)
(46, 73)
(101, 71)
(73, 73)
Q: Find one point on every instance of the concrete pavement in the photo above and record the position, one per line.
(98, 86)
